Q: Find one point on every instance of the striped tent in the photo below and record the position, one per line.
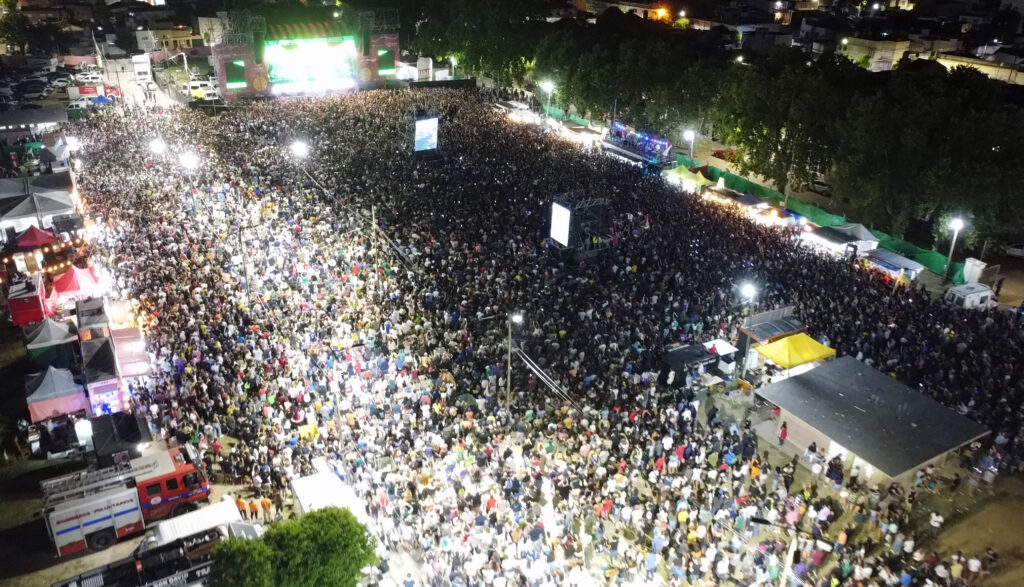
(309, 30)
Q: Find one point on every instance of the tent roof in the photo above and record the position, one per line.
(684, 174)
(29, 288)
(76, 280)
(686, 357)
(895, 259)
(774, 328)
(18, 118)
(891, 426)
(35, 237)
(35, 204)
(857, 231)
(795, 350)
(49, 332)
(100, 364)
(50, 384)
(92, 313)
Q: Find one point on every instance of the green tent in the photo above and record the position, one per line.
(51, 344)
(681, 175)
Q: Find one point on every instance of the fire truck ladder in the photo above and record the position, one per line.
(83, 483)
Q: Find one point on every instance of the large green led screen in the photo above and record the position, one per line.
(311, 64)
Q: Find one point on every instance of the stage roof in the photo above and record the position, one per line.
(887, 424)
(306, 30)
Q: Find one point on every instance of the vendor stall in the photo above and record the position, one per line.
(51, 343)
(842, 239)
(78, 283)
(102, 379)
(28, 301)
(53, 393)
(794, 351)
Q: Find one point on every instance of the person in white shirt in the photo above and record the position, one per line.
(936, 520)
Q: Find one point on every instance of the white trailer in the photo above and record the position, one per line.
(91, 509)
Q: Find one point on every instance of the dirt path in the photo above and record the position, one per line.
(995, 526)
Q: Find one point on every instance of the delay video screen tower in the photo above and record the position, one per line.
(579, 225)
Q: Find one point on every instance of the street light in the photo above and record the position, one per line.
(748, 291)
(739, 59)
(846, 41)
(957, 224)
(689, 135)
(158, 146)
(300, 149)
(454, 63)
(682, 14)
(514, 318)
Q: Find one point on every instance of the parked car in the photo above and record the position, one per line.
(89, 78)
(79, 105)
(1016, 250)
(32, 95)
(61, 82)
(820, 187)
(29, 106)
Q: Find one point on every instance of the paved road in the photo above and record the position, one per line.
(120, 73)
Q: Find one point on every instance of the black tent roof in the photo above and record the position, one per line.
(100, 360)
(889, 425)
(685, 357)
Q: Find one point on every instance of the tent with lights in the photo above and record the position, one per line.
(795, 350)
(102, 377)
(841, 238)
(53, 393)
(78, 283)
(28, 302)
(685, 177)
(34, 237)
(51, 343)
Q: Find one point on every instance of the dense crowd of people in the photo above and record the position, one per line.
(367, 292)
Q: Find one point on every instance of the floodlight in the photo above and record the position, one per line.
(548, 86)
(517, 318)
(747, 290)
(158, 146)
(189, 160)
(299, 149)
(956, 224)
(688, 135)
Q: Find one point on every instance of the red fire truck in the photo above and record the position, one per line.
(92, 509)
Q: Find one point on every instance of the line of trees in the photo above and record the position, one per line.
(919, 142)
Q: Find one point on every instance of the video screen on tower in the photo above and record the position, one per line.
(560, 217)
(311, 65)
(426, 135)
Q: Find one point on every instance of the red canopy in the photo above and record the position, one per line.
(28, 302)
(77, 282)
(35, 237)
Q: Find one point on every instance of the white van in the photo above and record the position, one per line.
(89, 78)
(195, 88)
(971, 296)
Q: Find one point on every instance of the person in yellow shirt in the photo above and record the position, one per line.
(254, 510)
(241, 508)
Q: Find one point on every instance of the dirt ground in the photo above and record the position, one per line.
(993, 526)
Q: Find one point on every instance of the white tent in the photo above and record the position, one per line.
(54, 393)
(323, 490)
(838, 238)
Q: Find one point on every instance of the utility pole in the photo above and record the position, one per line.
(508, 372)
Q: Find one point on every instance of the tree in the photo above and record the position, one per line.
(325, 547)
(15, 30)
(778, 112)
(239, 562)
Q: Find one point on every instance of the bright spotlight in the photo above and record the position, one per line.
(158, 146)
(688, 135)
(548, 86)
(517, 318)
(189, 160)
(300, 149)
(73, 143)
(747, 290)
(956, 224)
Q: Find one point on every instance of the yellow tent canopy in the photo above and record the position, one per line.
(682, 174)
(795, 350)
